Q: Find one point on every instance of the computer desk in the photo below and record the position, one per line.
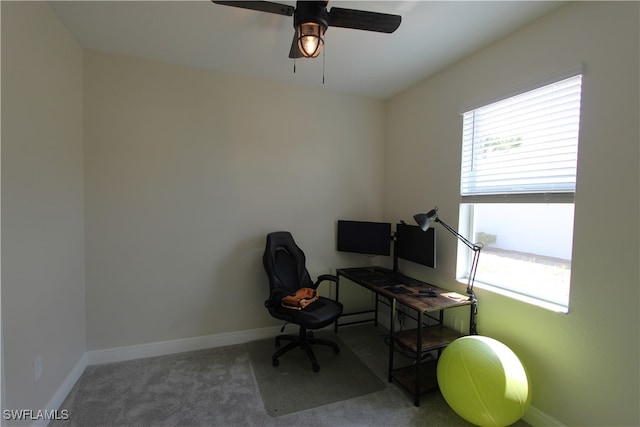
(398, 289)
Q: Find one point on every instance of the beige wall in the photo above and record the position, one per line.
(583, 365)
(43, 294)
(186, 172)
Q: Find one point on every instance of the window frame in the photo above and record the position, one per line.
(467, 202)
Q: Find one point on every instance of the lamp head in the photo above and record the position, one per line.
(424, 220)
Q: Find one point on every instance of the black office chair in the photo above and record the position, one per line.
(284, 263)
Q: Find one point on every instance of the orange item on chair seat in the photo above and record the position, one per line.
(302, 298)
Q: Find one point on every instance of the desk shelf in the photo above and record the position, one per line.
(433, 338)
(428, 380)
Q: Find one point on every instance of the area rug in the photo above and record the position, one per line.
(293, 386)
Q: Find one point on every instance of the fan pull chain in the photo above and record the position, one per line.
(294, 65)
(324, 52)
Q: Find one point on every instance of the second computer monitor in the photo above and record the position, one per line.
(415, 245)
(364, 237)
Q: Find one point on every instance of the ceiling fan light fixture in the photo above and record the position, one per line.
(311, 20)
(310, 38)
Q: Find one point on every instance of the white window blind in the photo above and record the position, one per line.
(524, 144)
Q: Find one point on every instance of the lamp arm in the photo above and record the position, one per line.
(473, 246)
(472, 296)
(424, 221)
(476, 248)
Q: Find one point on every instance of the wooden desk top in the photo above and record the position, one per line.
(403, 289)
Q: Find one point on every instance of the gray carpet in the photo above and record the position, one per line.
(182, 389)
(218, 387)
(294, 387)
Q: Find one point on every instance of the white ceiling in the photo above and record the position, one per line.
(432, 35)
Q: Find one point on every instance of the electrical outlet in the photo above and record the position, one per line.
(37, 368)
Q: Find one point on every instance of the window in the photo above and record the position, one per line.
(518, 180)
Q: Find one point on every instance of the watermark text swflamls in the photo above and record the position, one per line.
(31, 415)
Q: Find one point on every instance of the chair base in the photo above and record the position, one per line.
(304, 340)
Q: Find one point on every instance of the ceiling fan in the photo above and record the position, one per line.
(311, 20)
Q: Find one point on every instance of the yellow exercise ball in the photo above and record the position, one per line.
(483, 381)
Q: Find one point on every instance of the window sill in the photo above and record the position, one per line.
(557, 308)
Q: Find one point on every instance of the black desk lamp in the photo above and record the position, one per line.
(424, 221)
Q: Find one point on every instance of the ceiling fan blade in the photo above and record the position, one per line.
(294, 52)
(363, 20)
(261, 6)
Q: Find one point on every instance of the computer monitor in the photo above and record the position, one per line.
(363, 237)
(415, 245)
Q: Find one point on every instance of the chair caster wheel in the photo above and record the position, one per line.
(275, 362)
(316, 368)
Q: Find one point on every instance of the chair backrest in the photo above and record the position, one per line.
(284, 263)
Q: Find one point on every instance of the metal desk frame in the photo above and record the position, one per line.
(425, 338)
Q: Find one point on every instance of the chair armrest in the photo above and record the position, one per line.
(325, 277)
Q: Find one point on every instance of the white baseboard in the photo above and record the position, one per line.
(120, 354)
(64, 389)
(537, 418)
